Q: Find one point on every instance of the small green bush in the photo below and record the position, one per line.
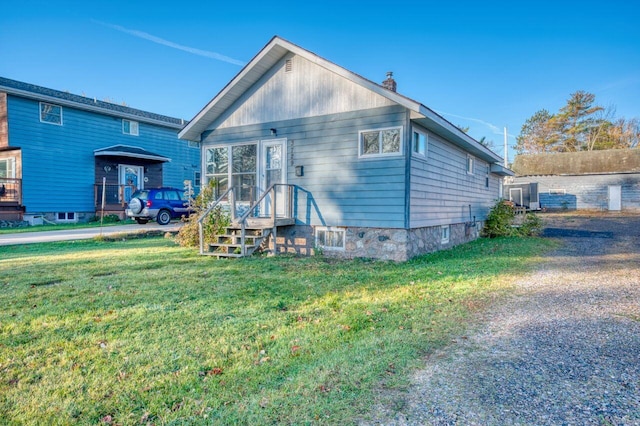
(500, 222)
(531, 226)
(213, 225)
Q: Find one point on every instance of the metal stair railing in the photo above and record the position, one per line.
(242, 220)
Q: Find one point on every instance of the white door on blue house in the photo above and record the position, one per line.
(131, 178)
(615, 197)
(273, 171)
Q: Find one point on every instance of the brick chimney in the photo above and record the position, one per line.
(389, 83)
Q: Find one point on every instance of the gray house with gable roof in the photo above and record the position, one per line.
(357, 169)
(56, 148)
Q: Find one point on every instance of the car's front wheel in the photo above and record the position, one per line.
(164, 217)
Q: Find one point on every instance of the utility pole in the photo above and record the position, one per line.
(506, 148)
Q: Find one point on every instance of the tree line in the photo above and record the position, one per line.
(580, 125)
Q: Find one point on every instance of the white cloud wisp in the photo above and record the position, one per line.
(158, 40)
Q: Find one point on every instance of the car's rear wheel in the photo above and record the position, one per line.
(141, 221)
(164, 217)
(135, 205)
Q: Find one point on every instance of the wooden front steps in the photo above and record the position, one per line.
(229, 244)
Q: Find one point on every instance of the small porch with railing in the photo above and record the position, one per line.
(252, 222)
(11, 207)
(115, 198)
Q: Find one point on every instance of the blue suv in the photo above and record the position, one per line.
(160, 204)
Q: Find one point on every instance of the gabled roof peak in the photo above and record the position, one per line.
(275, 50)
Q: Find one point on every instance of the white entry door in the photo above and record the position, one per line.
(615, 197)
(131, 177)
(274, 170)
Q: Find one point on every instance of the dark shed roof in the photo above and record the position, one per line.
(578, 163)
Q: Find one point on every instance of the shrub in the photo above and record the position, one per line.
(531, 226)
(498, 223)
(213, 225)
(500, 220)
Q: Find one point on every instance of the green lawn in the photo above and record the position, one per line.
(144, 331)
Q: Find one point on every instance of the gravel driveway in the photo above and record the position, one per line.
(565, 350)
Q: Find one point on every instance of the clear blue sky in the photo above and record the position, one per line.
(485, 65)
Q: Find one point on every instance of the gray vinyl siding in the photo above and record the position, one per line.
(338, 188)
(308, 90)
(441, 190)
(580, 192)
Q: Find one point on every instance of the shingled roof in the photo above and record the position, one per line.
(19, 88)
(578, 163)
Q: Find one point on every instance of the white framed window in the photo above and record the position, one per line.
(329, 238)
(379, 142)
(420, 143)
(196, 179)
(193, 144)
(469, 165)
(66, 217)
(8, 168)
(445, 231)
(235, 164)
(130, 127)
(50, 113)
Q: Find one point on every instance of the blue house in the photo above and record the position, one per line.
(56, 148)
(314, 156)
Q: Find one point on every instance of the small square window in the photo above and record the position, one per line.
(51, 114)
(330, 238)
(196, 179)
(420, 141)
(130, 127)
(445, 230)
(193, 144)
(380, 142)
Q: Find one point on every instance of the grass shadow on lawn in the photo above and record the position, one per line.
(141, 331)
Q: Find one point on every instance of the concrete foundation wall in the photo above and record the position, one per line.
(397, 245)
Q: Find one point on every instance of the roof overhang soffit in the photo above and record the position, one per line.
(438, 125)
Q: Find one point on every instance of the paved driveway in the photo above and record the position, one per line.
(565, 350)
(82, 233)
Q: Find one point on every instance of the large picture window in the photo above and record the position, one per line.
(241, 174)
(51, 114)
(380, 142)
